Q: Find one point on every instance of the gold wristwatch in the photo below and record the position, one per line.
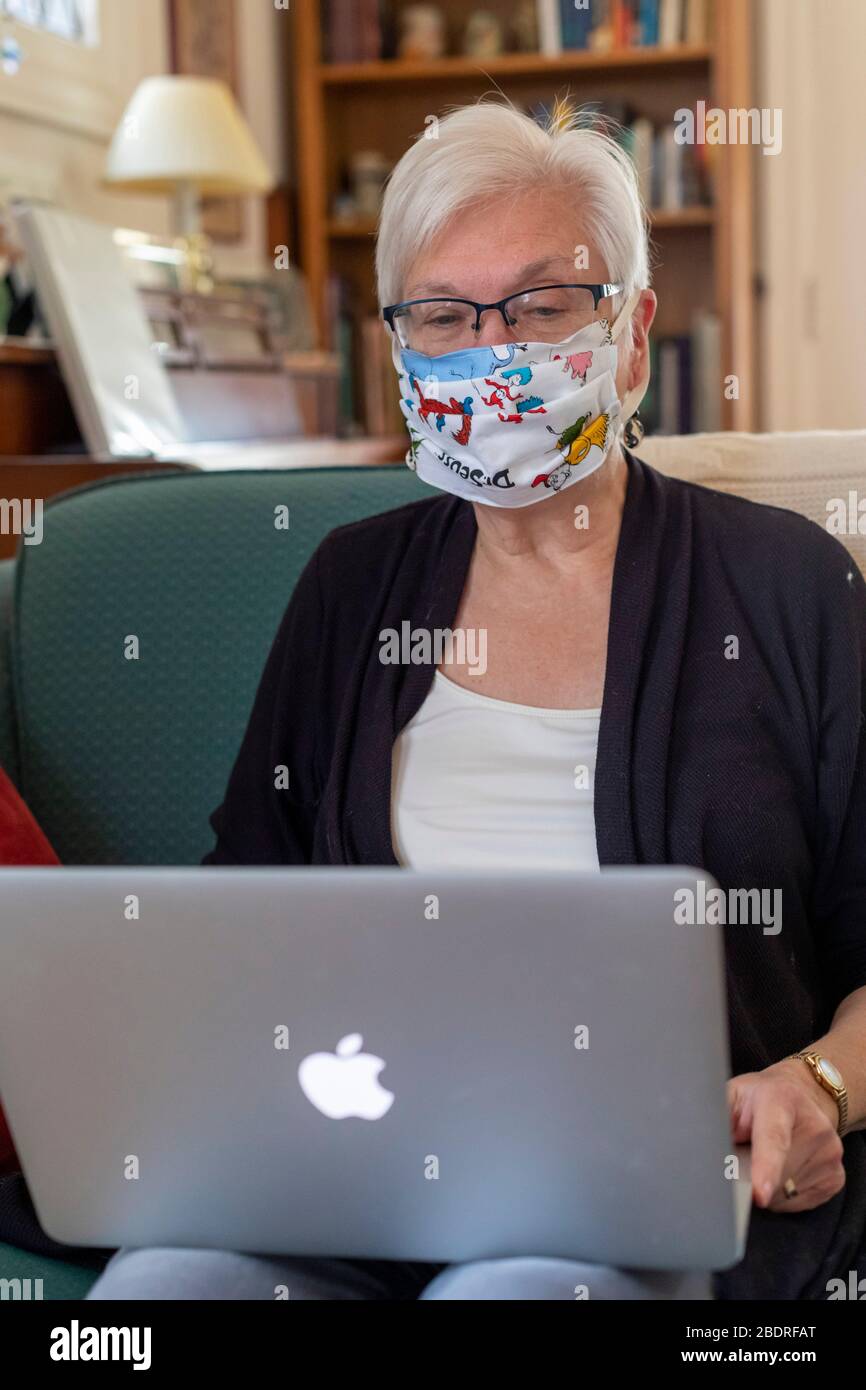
(828, 1076)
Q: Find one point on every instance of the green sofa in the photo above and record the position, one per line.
(123, 761)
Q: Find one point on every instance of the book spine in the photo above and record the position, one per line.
(684, 369)
(642, 152)
(648, 22)
(549, 27)
(672, 156)
(622, 23)
(670, 22)
(697, 22)
(575, 23)
(707, 374)
(601, 33)
(371, 31)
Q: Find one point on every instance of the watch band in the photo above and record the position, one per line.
(823, 1071)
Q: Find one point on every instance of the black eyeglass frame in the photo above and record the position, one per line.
(598, 293)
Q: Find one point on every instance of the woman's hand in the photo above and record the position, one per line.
(791, 1123)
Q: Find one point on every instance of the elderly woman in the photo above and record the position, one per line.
(703, 658)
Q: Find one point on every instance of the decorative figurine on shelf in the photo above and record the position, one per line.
(483, 37)
(525, 26)
(369, 172)
(422, 33)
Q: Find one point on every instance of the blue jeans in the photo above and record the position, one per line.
(166, 1274)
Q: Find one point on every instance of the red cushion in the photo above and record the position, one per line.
(22, 843)
(21, 840)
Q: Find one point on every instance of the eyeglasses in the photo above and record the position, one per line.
(545, 314)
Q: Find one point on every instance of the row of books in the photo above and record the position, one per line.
(686, 387)
(357, 31)
(671, 175)
(368, 400)
(564, 25)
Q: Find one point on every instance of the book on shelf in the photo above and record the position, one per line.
(672, 17)
(706, 344)
(674, 402)
(670, 176)
(549, 27)
(680, 175)
(641, 148)
(338, 310)
(669, 191)
(358, 31)
(648, 23)
(602, 25)
(698, 21)
(353, 31)
(684, 395)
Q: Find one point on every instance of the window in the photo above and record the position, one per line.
(76, 20)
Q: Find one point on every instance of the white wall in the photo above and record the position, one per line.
(58, 112)
(812, 215)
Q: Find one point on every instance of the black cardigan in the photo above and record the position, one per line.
(754, 768)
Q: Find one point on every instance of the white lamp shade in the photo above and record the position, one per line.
(186, 130)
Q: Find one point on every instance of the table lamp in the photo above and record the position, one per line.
(185, 136)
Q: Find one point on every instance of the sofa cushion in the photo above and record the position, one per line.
(122, 761)
(810, 472)
(59, 1279)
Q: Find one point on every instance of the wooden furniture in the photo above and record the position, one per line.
(285, 395)
(35, 414)
(704, 256)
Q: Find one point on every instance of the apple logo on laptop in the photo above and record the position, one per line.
(345, 1082)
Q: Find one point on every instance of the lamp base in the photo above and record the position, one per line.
(198, 263)
(191, 240)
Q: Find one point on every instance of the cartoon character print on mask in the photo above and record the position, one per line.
(574, 444)
(428, 405)
(509, 399)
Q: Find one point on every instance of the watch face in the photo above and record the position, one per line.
(829, 1071)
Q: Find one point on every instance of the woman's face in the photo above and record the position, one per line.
(509, 244)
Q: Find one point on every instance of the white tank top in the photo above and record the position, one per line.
(479, 783)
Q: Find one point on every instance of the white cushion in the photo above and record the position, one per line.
(801, 471)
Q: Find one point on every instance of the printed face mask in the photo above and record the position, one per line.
(508, 426)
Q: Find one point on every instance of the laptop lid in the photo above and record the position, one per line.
(370, 1062)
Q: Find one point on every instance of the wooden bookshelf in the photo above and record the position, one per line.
(703, 256)
(514, 65)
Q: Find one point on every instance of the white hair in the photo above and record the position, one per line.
(489, 149)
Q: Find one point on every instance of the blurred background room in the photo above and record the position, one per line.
(230, 155)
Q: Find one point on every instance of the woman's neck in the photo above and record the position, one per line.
(580, 522)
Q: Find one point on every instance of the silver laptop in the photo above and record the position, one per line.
(371, 1063)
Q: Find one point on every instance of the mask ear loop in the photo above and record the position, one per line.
(633, 430)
